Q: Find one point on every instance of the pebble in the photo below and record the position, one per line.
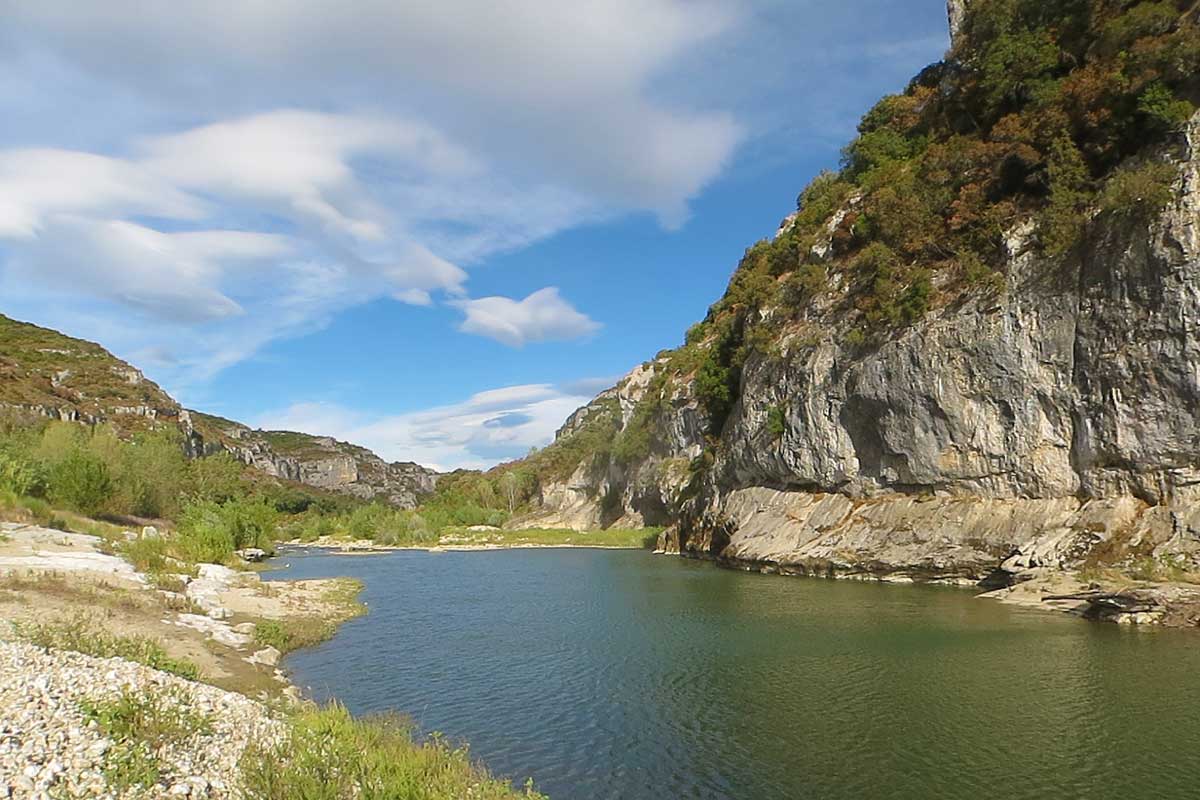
(49, 749)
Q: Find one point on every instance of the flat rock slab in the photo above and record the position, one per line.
(30, 549)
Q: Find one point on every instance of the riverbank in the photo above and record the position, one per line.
(484, 537)
(1107, 595)
(116, 682)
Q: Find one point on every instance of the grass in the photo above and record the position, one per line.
(79, 635)
(332, 756)
(36, 511)
(141, 726)
(292, 633)
(639, 538)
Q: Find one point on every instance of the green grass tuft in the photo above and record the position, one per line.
(80, 636)
(331, 756)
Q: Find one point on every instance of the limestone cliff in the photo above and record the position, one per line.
(318, 461)
(1045, 416)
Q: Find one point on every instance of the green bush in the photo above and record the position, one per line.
(1140, 192)
(82, 482)
(21, 476)
(203, 536)
(1163, 109)
(776, 422)
(146, 555)
(216, 478)
(150, 475)
(211, 532)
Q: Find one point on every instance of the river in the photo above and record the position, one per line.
(619, 674)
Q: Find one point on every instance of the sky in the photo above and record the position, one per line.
(430, 228)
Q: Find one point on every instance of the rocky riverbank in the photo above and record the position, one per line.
(69, 721)
(54, 741)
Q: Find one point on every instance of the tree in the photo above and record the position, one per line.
(217, 478)
(81, 481)
(512, 487)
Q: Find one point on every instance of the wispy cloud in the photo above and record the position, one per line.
(492, 426)
(384, 152)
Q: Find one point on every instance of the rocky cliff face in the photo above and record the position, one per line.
(318, 461)
(1051, 423)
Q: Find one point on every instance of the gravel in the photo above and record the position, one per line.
(49, 749)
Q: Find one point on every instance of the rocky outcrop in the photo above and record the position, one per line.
(1051, 424)
(46, 374)
(318, 461)
(956, 10)
(611, 492)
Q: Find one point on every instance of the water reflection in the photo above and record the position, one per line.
(624, 675)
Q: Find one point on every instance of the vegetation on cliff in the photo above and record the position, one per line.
(41, 368)
(1044, 111)
(1054, 114)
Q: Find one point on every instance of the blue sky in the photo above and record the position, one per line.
(434, 229)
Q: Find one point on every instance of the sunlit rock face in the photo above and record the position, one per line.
(957, 11)
(1037, 426)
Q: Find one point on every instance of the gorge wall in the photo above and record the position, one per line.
(1051, 421)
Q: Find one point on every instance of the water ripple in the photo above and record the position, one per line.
(631, 677)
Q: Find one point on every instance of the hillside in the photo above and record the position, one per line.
(49, 374)
(971, 352)
(319, 461)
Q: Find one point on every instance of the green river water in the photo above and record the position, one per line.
(618, 674)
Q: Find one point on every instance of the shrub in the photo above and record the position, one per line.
(915, 302)
(390, 526)
(81, 481)
(293, 633)
(804, 284)
(251, 522)
(1162, 108)
(715, 388)
(776, 422)
(216, 478)
(203, 536)
(147, 555)
(210, 532)
(1141, 192)
(150, 476)
(21, 476)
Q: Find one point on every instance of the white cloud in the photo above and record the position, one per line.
(173, 276)
(391, 148)
(38, 183)
(298, 163)
(563, 88)
(542, 316)
(491, 426)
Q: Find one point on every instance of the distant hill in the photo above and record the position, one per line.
(48, 374)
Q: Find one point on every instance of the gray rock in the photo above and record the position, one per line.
(1006, 432)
